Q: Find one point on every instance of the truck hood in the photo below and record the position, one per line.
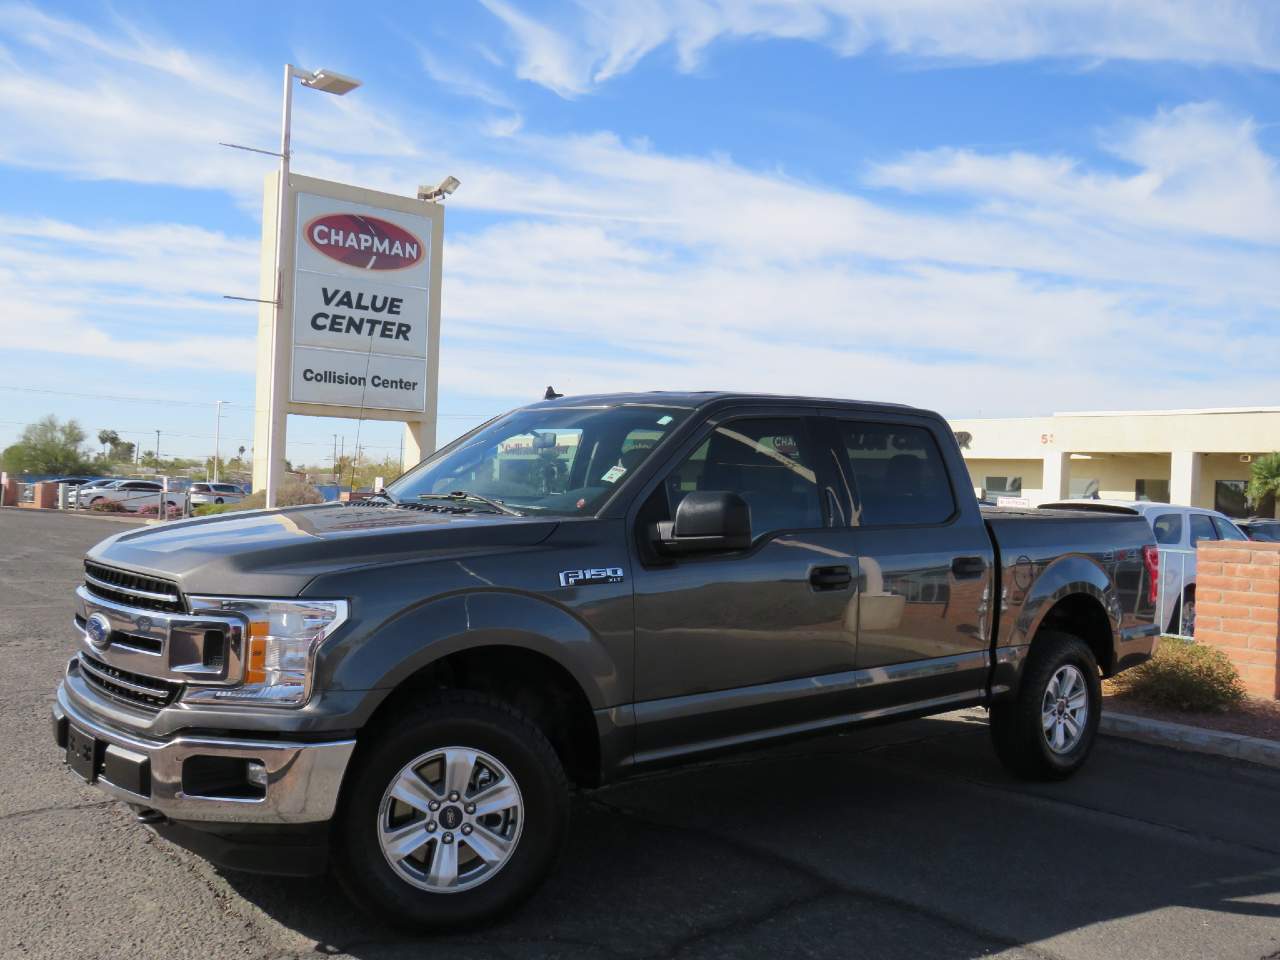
(277, 552)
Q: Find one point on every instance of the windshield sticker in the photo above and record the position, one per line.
(613, 473)
(663, 421)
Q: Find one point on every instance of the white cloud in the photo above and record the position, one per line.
(1197, 169)
(606, 38)
(144, 294)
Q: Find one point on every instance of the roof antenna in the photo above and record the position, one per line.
(551, 394)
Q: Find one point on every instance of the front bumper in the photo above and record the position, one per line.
(303, 779)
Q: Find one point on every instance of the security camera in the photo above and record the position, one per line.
(446, 188)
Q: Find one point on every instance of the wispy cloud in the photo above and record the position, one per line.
(573, 52)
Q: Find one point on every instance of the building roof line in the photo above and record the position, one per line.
(1166, 413)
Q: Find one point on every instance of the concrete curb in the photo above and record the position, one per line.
(1182, 736)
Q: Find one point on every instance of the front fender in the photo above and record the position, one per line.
(423, 634)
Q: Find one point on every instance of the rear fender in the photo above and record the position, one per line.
(1067, 576)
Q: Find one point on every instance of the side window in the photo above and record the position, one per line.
(1201, 528)
(898, 475)
(1227, 530)
(766, 462)
(1168, 528)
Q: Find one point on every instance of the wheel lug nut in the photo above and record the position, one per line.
(447, 838)
(433, 805)
(431, 826)
(471, 808)
(454, 796)
(466, 830)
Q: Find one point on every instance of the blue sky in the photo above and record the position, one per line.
(993, 207)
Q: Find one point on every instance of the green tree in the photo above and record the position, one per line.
(1264, 482)
(48, 446)
(108, 439)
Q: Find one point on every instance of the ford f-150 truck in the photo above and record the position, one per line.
(402, 689)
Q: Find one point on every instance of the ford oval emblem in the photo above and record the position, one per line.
(98, 629)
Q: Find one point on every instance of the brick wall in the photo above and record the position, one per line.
(1238, 608)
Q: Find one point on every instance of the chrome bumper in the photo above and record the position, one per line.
(303, 779)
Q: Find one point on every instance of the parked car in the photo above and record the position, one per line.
(1177, 530)
(202, 493)
(1260, 528)
(72, 481)
(87, 491)
(403, 687)
(133, 495)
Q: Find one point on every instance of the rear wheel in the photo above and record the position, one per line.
(453, 814)
(1047, 731)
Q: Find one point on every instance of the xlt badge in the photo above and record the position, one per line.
(583, 578)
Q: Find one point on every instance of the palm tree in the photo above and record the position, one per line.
(108, 438)
(1264, 481)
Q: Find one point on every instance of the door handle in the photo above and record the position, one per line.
(968, 568)
(830, 578)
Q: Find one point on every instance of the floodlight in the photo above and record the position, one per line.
(446, 188)
(327, 81)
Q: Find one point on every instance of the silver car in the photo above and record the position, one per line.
(1178, 529)
(215, 493)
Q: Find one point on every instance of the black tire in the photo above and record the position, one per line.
(218, 500)
(1017, 727)
(451, 718)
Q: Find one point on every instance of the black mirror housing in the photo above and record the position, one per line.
(707, 520)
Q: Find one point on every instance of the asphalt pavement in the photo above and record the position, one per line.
(905, 841)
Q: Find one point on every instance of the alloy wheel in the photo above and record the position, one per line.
(450, 819)
(1064, 711)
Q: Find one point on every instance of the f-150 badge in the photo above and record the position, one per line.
(583, 578)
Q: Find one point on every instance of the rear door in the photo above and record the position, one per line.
(924, 556)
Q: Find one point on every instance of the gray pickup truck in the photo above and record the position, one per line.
(402, 689)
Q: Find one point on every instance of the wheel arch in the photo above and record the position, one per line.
(1072, 595)
(532, 654)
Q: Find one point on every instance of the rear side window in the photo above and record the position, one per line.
(1227, 530)
(1201, 528)
(897, 473)
(1168, 528)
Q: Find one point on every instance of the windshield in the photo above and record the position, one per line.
(562, 461)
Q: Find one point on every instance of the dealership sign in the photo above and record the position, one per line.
(361, 304)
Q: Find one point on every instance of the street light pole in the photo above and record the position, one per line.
(326, 81)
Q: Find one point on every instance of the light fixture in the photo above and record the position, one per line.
(446, 188)
(328, 81)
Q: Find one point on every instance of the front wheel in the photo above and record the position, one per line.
(453, 814)
(1047, 731)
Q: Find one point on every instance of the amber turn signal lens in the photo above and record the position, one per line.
(255, 668)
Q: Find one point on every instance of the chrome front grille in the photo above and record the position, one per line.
(150, 693)
(133, 589)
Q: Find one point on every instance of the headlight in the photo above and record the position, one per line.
(281, 640)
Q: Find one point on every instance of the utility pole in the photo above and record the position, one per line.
(335, 455)
(157, 451)
(217, 437)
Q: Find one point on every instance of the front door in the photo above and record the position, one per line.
(728, 644)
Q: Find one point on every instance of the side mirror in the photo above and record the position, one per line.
(707, 520)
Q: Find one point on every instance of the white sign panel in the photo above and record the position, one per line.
(348, 379)
(361, 299)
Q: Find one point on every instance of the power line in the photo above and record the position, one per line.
(168, 402)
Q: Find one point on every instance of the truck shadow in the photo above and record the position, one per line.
(909, 845)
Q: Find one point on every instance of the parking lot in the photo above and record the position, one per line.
(903, 841)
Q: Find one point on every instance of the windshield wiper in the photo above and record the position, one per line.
(384, 495)
(464, 495)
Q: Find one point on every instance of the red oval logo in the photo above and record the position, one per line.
(359, 240)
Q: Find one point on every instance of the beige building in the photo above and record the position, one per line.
(1195, 457)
